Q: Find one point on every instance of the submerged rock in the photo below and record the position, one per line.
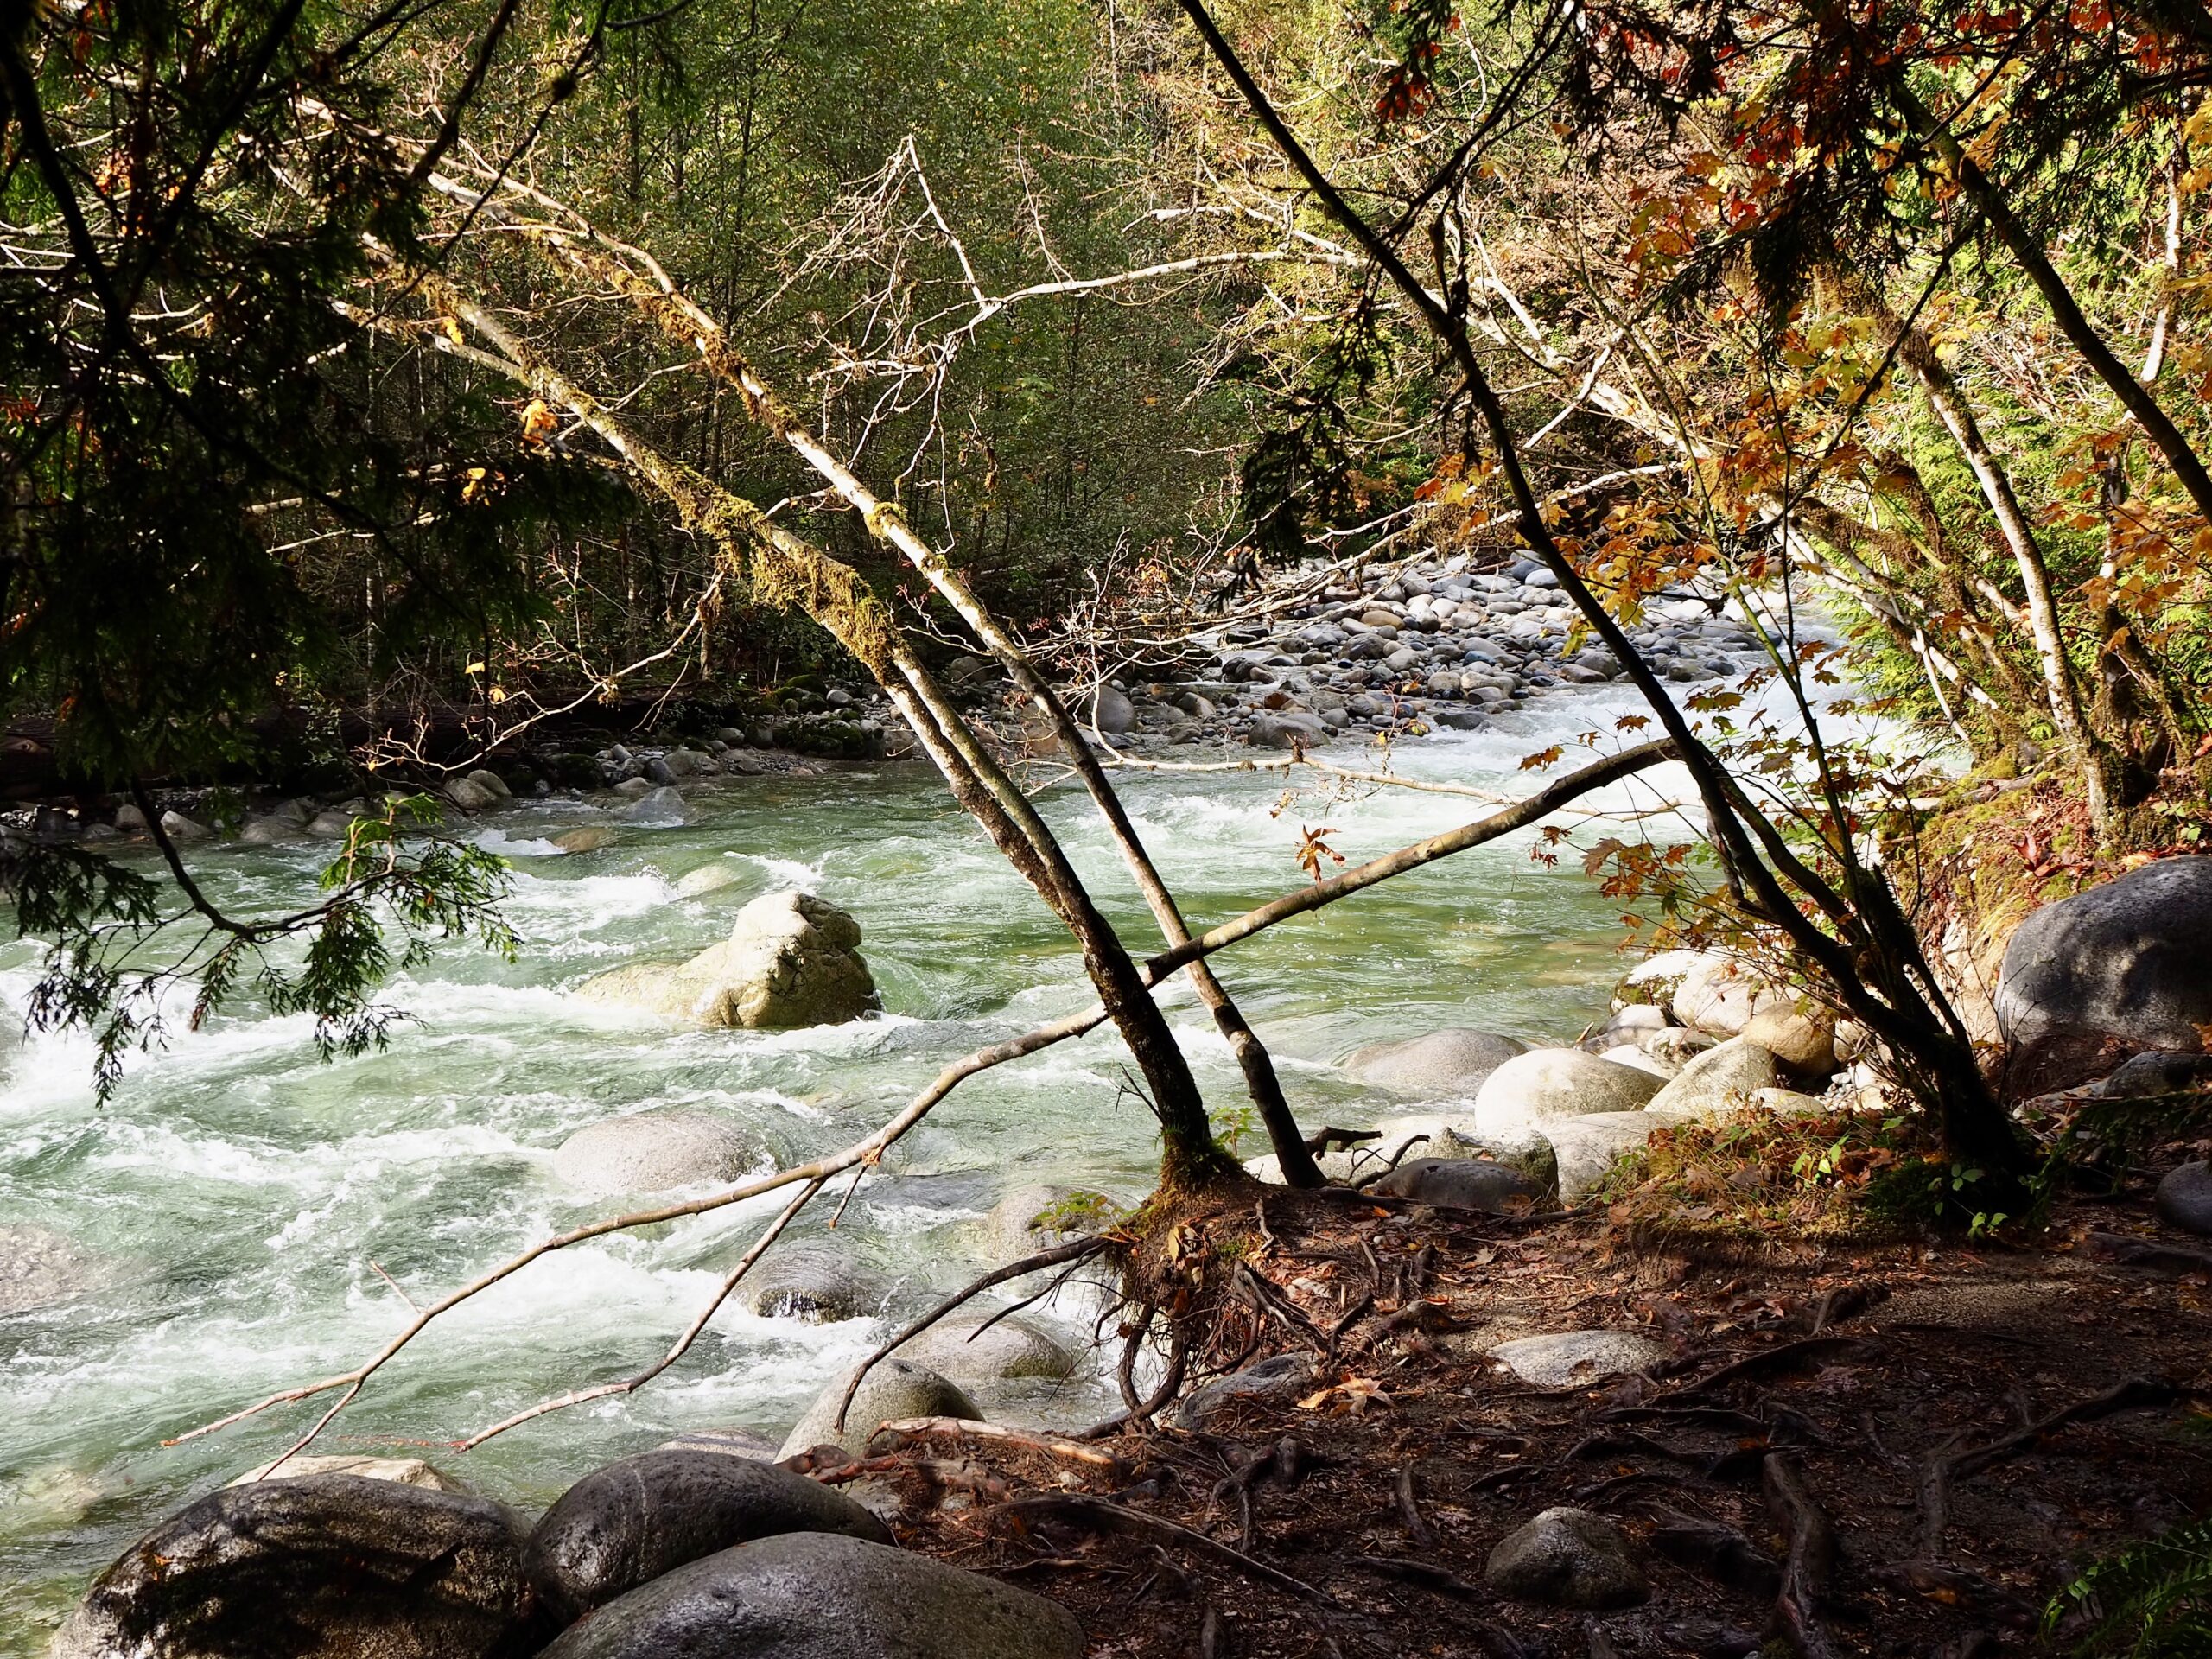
(2117, 969)
(822, 1595)
(894, 1391)
(1549, 1082)
(1569, 1558)
(635, 1520)
(792, 959)
(1437, 1063)
(650, 1152)
(38, 1267)
(586, 838)
(708, 878)
(814, 1282)
(329, 1565)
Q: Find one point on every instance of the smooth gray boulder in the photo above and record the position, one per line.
(38, 1267)
(1285, 731)
(790, 959)
(1720, 994)
(2158, 1072)
(1478, 1183)
(1446, 1135)
(820, 1596)
(1435, 1064)
(2185, 1198)
(1722, 1079)
(1531, 1089)
(1109, 711)
(1569, 1558)
(635, 1520)
(1280, 1377)
(961, 1349)
(1565, 1359)
(328, 1567)
(1588, 1148)
(818, 1283)
(894, 1391)
(650, 1152)
(469, 795)
(2113, 970)
(1800, 1034)
(1038, 1215)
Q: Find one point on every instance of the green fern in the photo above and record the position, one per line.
(2153, 1601)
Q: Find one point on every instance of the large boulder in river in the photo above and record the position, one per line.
(408, 1472)
(792, 959)
(1549, 1082)
(1431, 1135)
(817, 1595)
(1722, 1079)
(814, 1282)
(2113, 970)
(329, 1567)
(893, 1391)
(650, 1152)
(637, 1519)
(1435, 1064)
(1037, 1215)
(962, 1348)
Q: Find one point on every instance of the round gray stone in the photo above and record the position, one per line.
(650, 1152)
(1280, 1377)
(1461, 1184)
(1552, 1082)
(962, 1349)
(1565, 1359)
(1723, 1078)
(2119, 966)
(894, 1391)
(1438, 1063)
(821, 1596)
(635, 1520)
(2185, 1198)
(1569, 1558)
(814, 1282)
(331, 1566)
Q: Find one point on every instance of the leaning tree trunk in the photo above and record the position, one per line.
(1872, 958)
(788, 571)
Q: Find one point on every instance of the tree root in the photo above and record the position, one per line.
(1939, 1472)
(1103, 1515)
(1810, 1562)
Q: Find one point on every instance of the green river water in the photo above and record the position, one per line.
(237, 1190)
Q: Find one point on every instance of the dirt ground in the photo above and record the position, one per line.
(1898, 1451)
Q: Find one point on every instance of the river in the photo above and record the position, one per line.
(236, 1191)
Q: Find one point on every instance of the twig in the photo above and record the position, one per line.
(1103, 1515)
(1073, 1250)
(1422, 1536)
(914, 1428)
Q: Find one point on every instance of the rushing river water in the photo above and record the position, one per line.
(236, 1192)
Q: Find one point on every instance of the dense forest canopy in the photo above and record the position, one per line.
(375, 375)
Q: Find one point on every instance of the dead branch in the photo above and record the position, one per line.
(1074, 1250)
(915, 1428)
